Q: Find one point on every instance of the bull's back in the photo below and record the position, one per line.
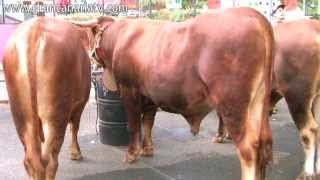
(214, 42)
(297, 54)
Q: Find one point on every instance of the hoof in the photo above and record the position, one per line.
(75, 156)
(147, 151)
(131, 157)
(217, 139)
(308, 177)
(228, 137)
(274, 111)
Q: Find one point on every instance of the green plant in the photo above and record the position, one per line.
(188, 4)
(312, 8)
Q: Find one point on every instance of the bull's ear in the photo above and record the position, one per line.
(95, 29)
(105, 20)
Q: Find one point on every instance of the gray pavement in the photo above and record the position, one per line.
(3, 91)
(178, 154)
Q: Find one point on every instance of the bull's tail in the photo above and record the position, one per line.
(264, 154)
(32, 77)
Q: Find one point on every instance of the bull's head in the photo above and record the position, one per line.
(97, 54)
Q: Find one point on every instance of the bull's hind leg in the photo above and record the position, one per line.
(274, 99)
(247, 123)
(54, 135)
(148, 121)
(54, 123)
(32, 160)
(245, 138)
(222, 132)
(29, 133)
(28, 128)
(74, 148)
(300, 109)
(219, 137)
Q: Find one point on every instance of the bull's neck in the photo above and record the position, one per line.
(110, 36)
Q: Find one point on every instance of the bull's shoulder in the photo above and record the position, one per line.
(145, 25)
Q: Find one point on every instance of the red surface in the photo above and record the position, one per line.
(128, 1)
(291, 4)
(63, 2)
(5, 31)
(214, 4)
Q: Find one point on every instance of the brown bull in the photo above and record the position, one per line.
(217, 61)
(297, 79)
(47, 73)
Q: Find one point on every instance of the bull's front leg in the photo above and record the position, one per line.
(148, 121)
(132, 106)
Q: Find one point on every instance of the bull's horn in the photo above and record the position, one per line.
(88, 23)
(93, 22)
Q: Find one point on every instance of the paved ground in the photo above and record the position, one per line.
(3, 92)
(178, 155)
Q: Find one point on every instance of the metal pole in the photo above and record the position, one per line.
(139, 8)
(3, 19)
(305, 7)
(270, 10)
(150, 8)
(54, 9)
(104, 12)
(194, 4)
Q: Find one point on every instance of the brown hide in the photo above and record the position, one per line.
(296, 77)
(47, 73)
(220, 60)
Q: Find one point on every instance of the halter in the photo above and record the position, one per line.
(97, 54)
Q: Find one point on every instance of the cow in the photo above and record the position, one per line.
(296, 79)
(219, 60)
(47, 73)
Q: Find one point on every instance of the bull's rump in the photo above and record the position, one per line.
(178, 64)
(45, 67)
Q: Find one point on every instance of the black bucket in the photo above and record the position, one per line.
(112, 120)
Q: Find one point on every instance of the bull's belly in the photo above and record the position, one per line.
(183, 107)
(177, 97)
(194, 114)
